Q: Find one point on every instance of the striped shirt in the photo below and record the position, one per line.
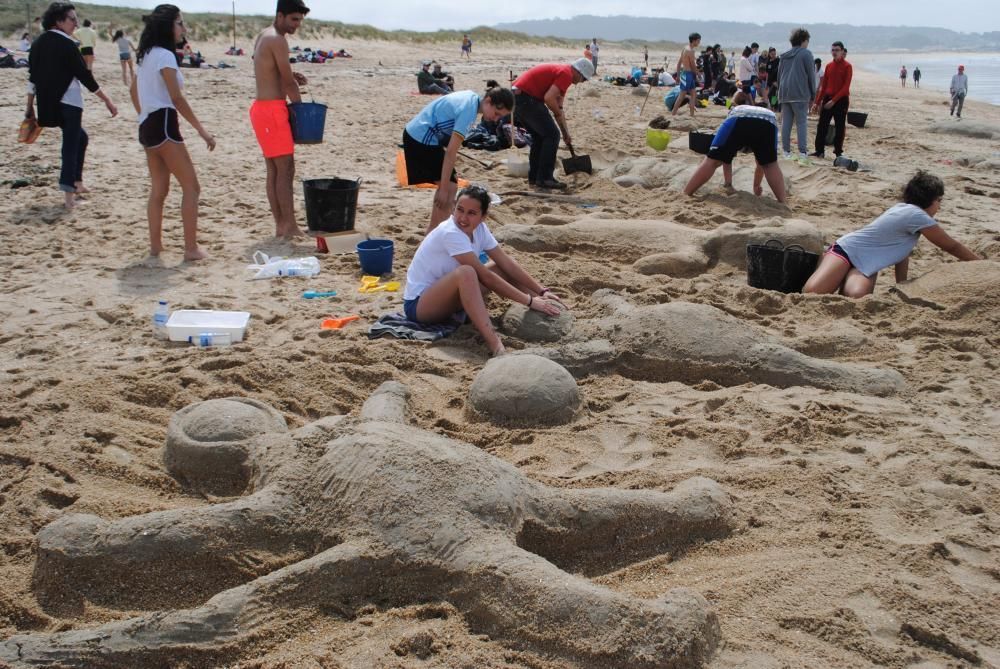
(452, 113)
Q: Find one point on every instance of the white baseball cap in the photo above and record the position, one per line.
(584, 67)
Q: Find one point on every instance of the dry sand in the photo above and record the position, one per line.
(866, 528)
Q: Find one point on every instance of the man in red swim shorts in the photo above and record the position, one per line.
(269, 112)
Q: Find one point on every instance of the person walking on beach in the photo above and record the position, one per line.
(746, 127)
(125, 49)
(446, 275)
(687, 68)
(916, 76)
(958, 89)
(796, 89)
(432, 138)
(467, 47)
(645, 55)
(833, 100)
(594, 49)
(851, 265)
(87, 37)
(158, 97)
(902, 76)
(56, 71)
(539, 94)
(269, 112)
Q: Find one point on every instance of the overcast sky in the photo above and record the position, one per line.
(961, 15)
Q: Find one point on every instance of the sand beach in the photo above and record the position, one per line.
(863, 519)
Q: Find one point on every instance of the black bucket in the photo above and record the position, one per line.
(700, 142)
(857, 119)
(772, 266)
(331, 204)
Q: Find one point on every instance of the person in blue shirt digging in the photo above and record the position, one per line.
(431, 140)
(447, 277)
(851, 265)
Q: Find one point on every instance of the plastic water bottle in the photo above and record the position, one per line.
(160, 317)
(211, 339)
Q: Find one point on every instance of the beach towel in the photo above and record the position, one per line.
(401, 175)
(396, 325)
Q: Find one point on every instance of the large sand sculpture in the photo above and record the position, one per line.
(682, 341)
(660, 247)
(367, 511)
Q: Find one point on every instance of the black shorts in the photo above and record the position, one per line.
(86, 50)
(159, 127)
(740, 132)
(423, 162)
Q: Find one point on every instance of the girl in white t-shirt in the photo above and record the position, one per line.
(446, 275)
(158, 98)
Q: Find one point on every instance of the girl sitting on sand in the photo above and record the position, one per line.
(444, 123)
(158, 98)
(851, 265)
(446, 275)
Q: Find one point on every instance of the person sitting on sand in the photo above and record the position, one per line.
(446, 275)
(851, 265)
(539, 93)
(269, 112)
(432, 138)
(749, 127)
(427, 84)
(443, 78)
(157, 94)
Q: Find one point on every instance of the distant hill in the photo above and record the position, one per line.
(734, 35)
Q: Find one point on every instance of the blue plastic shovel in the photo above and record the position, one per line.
(310, 294)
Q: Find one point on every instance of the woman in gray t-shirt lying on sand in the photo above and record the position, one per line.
(852, 264)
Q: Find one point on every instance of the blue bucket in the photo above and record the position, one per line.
(375, 256)
(307, 120)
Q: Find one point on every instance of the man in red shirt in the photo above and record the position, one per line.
(833, 99)
(538, 106)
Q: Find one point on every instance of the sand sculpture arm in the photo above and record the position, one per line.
(941, 239)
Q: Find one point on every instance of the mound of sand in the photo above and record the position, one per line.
(966, 128)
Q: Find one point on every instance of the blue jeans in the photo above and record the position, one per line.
(74, 147)
(797, 111)
(536, 117)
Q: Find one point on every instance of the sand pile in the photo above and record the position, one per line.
(852, 443)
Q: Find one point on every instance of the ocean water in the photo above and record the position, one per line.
(983, 71)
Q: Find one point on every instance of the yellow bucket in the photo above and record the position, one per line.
(657, 139)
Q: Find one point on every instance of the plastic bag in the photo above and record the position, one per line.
(266, 267)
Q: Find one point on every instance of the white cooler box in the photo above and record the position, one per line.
(193, 322)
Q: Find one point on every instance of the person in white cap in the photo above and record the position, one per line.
(427, 84)
(959, 87)
(539, 95)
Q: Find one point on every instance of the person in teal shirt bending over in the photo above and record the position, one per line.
(431, 140)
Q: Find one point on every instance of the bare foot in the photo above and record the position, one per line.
(80, 188)
(197, 254)
(69, 200)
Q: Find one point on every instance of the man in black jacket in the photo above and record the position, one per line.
(56, 71)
